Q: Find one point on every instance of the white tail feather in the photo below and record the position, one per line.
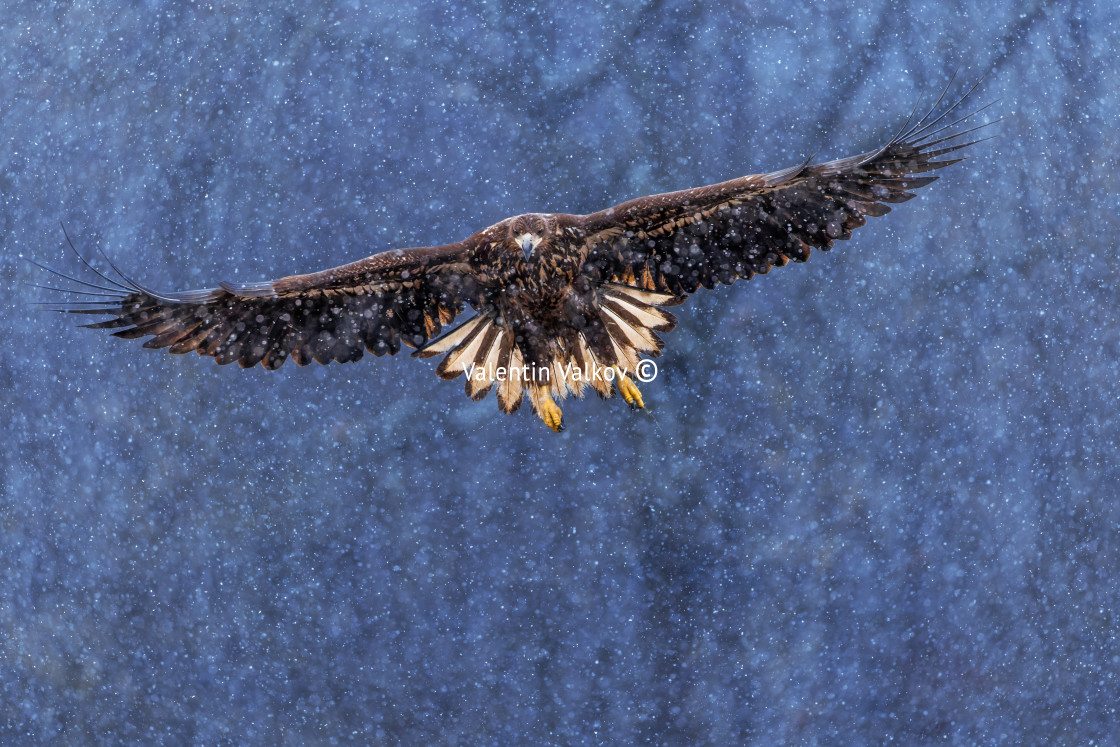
(634, 336)
(512, 388)
(649, 298)
(650, 316)
(451, 339)
(482, 372)
(460, 359)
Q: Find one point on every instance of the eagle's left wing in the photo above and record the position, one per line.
(374, 304)
(679, 241)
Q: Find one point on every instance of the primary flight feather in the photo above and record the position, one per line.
(562, 302)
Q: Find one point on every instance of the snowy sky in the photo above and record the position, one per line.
(876, 495)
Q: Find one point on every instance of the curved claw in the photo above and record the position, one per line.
(551, 414)
(629, 390)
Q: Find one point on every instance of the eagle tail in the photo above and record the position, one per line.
(628, 319)
(488, 354)
(632, 317)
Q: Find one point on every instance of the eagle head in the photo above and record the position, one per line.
(526, 232)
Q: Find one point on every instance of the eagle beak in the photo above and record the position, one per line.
(527, 247)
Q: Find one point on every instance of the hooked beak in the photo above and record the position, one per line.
(527, 247)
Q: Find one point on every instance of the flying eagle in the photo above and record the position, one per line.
(562, 302)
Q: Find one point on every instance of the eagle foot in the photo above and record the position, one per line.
(629, 391)
(551, 414)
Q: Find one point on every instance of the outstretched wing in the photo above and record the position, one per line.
(679, 241)
(375, 304)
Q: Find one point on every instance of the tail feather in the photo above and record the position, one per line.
(636, 334)
(649, 316)
(640, 295)
(451, 339)
(511, 389)
(592, 370)
(622, 326)
(460, 357)
(484, 371)
(632, 318)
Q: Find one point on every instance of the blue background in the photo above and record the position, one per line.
(877, 498)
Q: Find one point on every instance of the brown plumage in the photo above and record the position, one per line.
(561, 302)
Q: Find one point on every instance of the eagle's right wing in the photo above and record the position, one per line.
(373, 304)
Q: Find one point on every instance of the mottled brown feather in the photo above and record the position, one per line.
(679, 241)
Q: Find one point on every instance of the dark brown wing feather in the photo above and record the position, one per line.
(374, 304)
(679, 241)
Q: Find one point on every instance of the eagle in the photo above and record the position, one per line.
(561, 303)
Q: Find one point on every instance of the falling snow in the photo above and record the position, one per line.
(876, 498)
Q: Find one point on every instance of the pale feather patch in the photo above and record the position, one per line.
(650, 316)
(451, 339)
(578, 369)
(460, 357)
(480, 377)
(654, 344)
(626, 334)
(626, 357)
(558, 378)
(594, 372)
(511, 389)
(647, 297)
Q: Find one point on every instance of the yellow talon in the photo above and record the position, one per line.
(628, 390)
(552, 416)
